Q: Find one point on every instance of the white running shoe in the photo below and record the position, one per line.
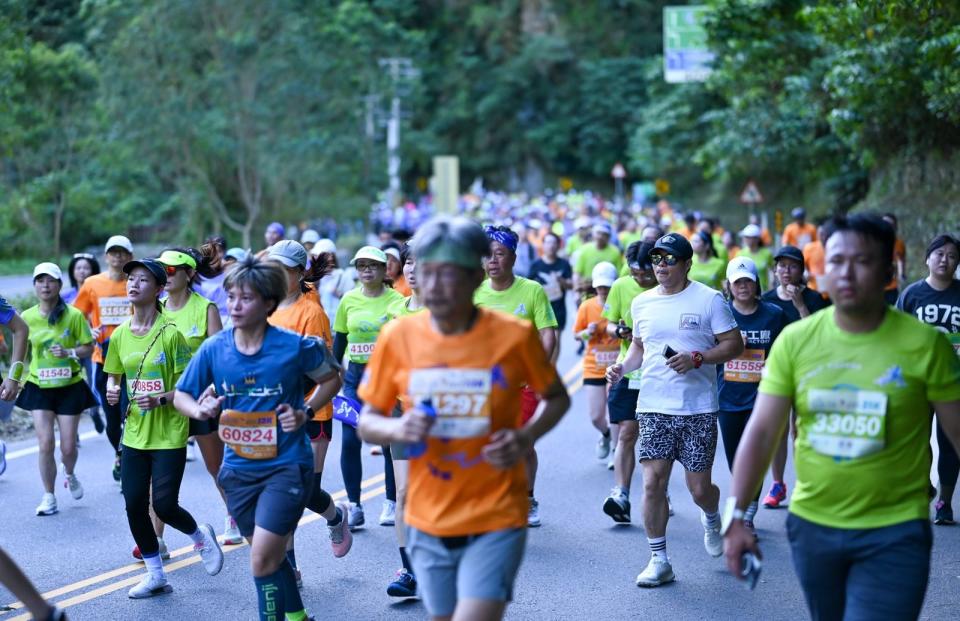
(658, 572)
(150, 586)
(712, 541)
(210, 550)
(72, 483)
(533, 515)
(48, 505)
(356, 518)
(231, 534)
(388, 514)
(603, 446)
(191, 450)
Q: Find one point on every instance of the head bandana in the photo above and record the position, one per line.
(501, 237)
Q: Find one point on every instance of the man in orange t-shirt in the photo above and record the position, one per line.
(892, 291)
(467, 499)
(814, 258)
(799, 233)
(103, 299)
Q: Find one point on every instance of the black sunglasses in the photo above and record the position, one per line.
(669, 259)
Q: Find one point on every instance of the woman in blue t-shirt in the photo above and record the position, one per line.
(760, 324)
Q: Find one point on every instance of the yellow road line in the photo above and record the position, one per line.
(574, 370)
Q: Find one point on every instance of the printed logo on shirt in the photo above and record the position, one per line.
(689, 321)
(160, 359)
(520, 310)
(250, 390)
(194, 331)
(893, 375)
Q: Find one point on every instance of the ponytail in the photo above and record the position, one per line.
(57, 311)
(322, 265)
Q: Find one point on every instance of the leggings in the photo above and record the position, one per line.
(351, 446)
(948, 465)
(114, 413)
(732, 425)
(164, 467)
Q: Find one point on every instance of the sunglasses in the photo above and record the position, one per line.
(171, 269)
(669, 259)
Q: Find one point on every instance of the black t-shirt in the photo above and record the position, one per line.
(937, 308)
(811, 298)
(547, 273)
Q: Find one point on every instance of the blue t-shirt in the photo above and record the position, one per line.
(6, 311)
(738, 379)
(260, 383)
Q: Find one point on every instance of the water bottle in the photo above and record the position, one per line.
(419, 448)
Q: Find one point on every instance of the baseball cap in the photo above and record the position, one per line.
(277, 228)
(604, 273)
(288, 252)
(393, 252)
(742, 267)
(751, 230)
(370, 252)
(798, 213)
(118, 241)
(602, 228)
(675, 244)
(582, 222)
(237, 254)
(323, 245)
(175, 258)
(309, 237)
(789, 252)
(50, 269)
(151, 265)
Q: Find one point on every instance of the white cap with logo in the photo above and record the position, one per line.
(742, 267)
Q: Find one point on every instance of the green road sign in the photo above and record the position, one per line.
(686, 57)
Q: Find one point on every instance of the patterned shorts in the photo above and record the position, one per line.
(691, 440)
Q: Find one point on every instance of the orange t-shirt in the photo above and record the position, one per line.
(602, 349)
(306, 317)
(899, 254)
(400, 286)
(105, 304)
(799, 236)
(813, 256)
(474, 381)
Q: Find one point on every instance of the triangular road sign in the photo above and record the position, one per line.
(751, 194)
(618, 172)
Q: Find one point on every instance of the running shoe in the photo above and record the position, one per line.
(405, 585)
(355, 518)
(533, 515)
(3, 456)
(712, 541)
(613, 454)
(340, 538)
(778, 494)
(164, 552)
(116, 468)
(658, 572)
(150, 586)
(603, 447)
(944, 515)
(72, 483)
(209, 550)
(231, 534)
(191, 450)
(97, 419)
(388, 514)
(617, 506)
(48, 505)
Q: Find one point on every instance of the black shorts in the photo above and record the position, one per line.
(69, 400)
(594, 381)
(319, 430)
(560, 311)
(272, 498)
(622, 402)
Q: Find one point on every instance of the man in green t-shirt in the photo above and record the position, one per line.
(862, 379)
(594, 253)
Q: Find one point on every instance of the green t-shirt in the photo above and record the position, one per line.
(764, 260)
(574, 243)
(590, 256)
(361, 318)
(617, 309)
(710, 273)
(162, 427)
(626, 238)
(863, 416)
(46, 370)
(401, 308)
(191, 320)
(525, 299)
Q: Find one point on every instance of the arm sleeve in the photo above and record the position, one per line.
(340, 344)
(943, 371)
(903, 302)
(377, 387)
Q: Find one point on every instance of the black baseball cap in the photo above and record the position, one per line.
(154, 267)
(789, 252)
(675, 244)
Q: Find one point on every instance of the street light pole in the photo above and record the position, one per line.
(397, 68)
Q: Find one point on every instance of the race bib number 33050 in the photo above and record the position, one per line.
(847, 423)
(461, 398)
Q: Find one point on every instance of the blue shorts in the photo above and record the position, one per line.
(475, 567)
(622, 402)
(272, 498)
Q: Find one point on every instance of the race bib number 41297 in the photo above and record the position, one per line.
(461, 398)
(847, 423)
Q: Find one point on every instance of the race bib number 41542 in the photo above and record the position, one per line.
(461, 398)
(847, 424)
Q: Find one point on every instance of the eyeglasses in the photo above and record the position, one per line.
(669, 259)
(363, 267)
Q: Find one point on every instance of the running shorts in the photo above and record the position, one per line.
(622, 402)
(528, 404)
(691, 439)
(69, 400)
(319, 430)
(272, 498)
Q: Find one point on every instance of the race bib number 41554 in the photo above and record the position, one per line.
(461, 398)
(847, 423)
(113, 311)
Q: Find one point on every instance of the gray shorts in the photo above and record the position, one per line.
(475, 567)
(691, 440)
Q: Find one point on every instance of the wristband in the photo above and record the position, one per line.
(16, 371)
(697, 359)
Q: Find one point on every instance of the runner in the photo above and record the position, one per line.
(267, 473)
(308, 239)
(467, 528)
(15, 376)
(334, 285)
(708, 267)
(754, 250)
(581, 238)
(517, 296)
(395, 268)
(556, 276)
(899, 261)
(678, 405)
(212, 271)
(149, 353)
(103, 300)
(760, 324)
(601, 351)
(936, 300)
(595, 252)
(622, 398)
(273, 233)
(363, 312)
(862, 379)
(797, 302)
(729, 239)
(798, 233)
(813, 259)
(81, 267)
(55, 390)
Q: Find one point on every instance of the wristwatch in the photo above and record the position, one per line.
(697, 359)
(309, 412)
(730, 513)
(163, 400)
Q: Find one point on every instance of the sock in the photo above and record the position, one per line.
(154, 565)
(292, 604)
(292, 557)
(319, 500)
(606, 434)
(624, 491)
(751, 511)
(339, 518)
(713, 519)
(658, 547)
(297, 616)
(270, 596)
(196, 536)
(405, 560)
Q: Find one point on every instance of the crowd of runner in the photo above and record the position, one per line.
(438, 345)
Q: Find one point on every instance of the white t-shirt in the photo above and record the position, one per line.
(687, 322)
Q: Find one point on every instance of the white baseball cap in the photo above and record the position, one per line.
(742, 267)
(309, 237)
(323, 245)
(49, 269)
(603, 275)
(118, 241)
(582, 222)
(751, 230)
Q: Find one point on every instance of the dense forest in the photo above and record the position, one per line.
(172, 119)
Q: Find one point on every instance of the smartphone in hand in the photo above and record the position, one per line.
(668, 352)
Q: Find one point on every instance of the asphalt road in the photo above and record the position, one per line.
(578, 565)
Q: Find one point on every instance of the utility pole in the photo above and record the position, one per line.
(399, 70)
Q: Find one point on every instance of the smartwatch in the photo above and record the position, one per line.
(730, 513)
(309, 412)
(163, 400)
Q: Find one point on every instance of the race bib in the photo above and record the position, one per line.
(114, 311)
(142, 387)
(605, 358)
(251, 435)
(54, 373)
(461, 398)
(847, 424)
(360, 352)
(747, 368)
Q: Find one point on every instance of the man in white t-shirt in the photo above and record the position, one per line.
(682, 330)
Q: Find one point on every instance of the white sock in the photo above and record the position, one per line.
(624, 491)
(713, 519)
(658, 548)
(154, 565)
(197, 536)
